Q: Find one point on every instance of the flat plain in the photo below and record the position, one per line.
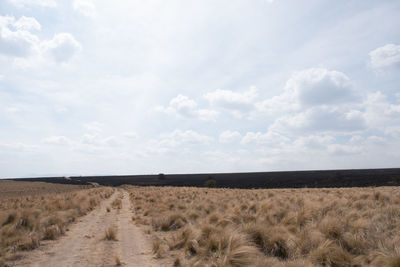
(44, 224)
(271, 227)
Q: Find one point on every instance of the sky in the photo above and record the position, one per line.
(98, 87)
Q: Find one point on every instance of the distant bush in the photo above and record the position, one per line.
(210, 183)
(161, 176)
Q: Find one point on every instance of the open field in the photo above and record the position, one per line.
(33, 212)
(69, 225)
(21, 188)
(277, 227)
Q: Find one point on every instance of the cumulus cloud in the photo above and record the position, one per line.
(182, 105)
(89, 142)
(393, 131)
(185, 107)
(19, 147)
(321, 119)
(97, 140)
(341, 149)
(62, 47)
(319, 86)
(130, 135)
(229, 136)
(179, 137)
(378, 110)
(239, 103)
(94, 126)
(57, 140)
(85, 7)
(285, 102)
(27, 3)
(207, 114)
(316, 100)
(270, 137)
(385, 56)
(310, 88)
(314, 141)
(15, 37)
(27, 23)
(18, 40)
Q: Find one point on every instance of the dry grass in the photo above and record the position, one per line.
(10, 188)
(277, 227)
(117, 203)
(117, 261)
(110, 234)
(42, 214)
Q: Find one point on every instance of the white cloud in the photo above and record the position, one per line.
(340, 149)
(318, 86)
(378, 111)
(185, 107)
(310, 88)
(62, 47)
(179, 137)
(207, 114)
(19, 42)
(130, 135)
(27, 23)
(316, 100)
(26, 3)
(393, 131)
(285, 102)
(19, 147)
(97, 140)
(229, 136)
(270, 138)
(240, 103)
(385, 56)
(85, 7)
(57, 140)
(316, 142)
(94, 126)
(321, 119)
(89, 142)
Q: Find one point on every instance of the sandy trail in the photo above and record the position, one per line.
(133, 248)
(84, 244)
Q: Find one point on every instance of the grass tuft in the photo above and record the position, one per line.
(110, 234)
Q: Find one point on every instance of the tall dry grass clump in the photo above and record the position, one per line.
(274, 227)
(26, 220)
(110, 234)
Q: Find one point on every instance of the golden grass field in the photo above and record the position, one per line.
(276, 227)
(35, 211)
(209, 227)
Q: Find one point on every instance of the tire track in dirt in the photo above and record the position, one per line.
(133, 249)
(84, 244)
(80, 246)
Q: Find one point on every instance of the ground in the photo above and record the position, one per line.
(84, 242)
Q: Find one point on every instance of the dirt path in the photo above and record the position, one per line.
(84, 244)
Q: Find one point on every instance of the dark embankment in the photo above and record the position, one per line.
(287, 179)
